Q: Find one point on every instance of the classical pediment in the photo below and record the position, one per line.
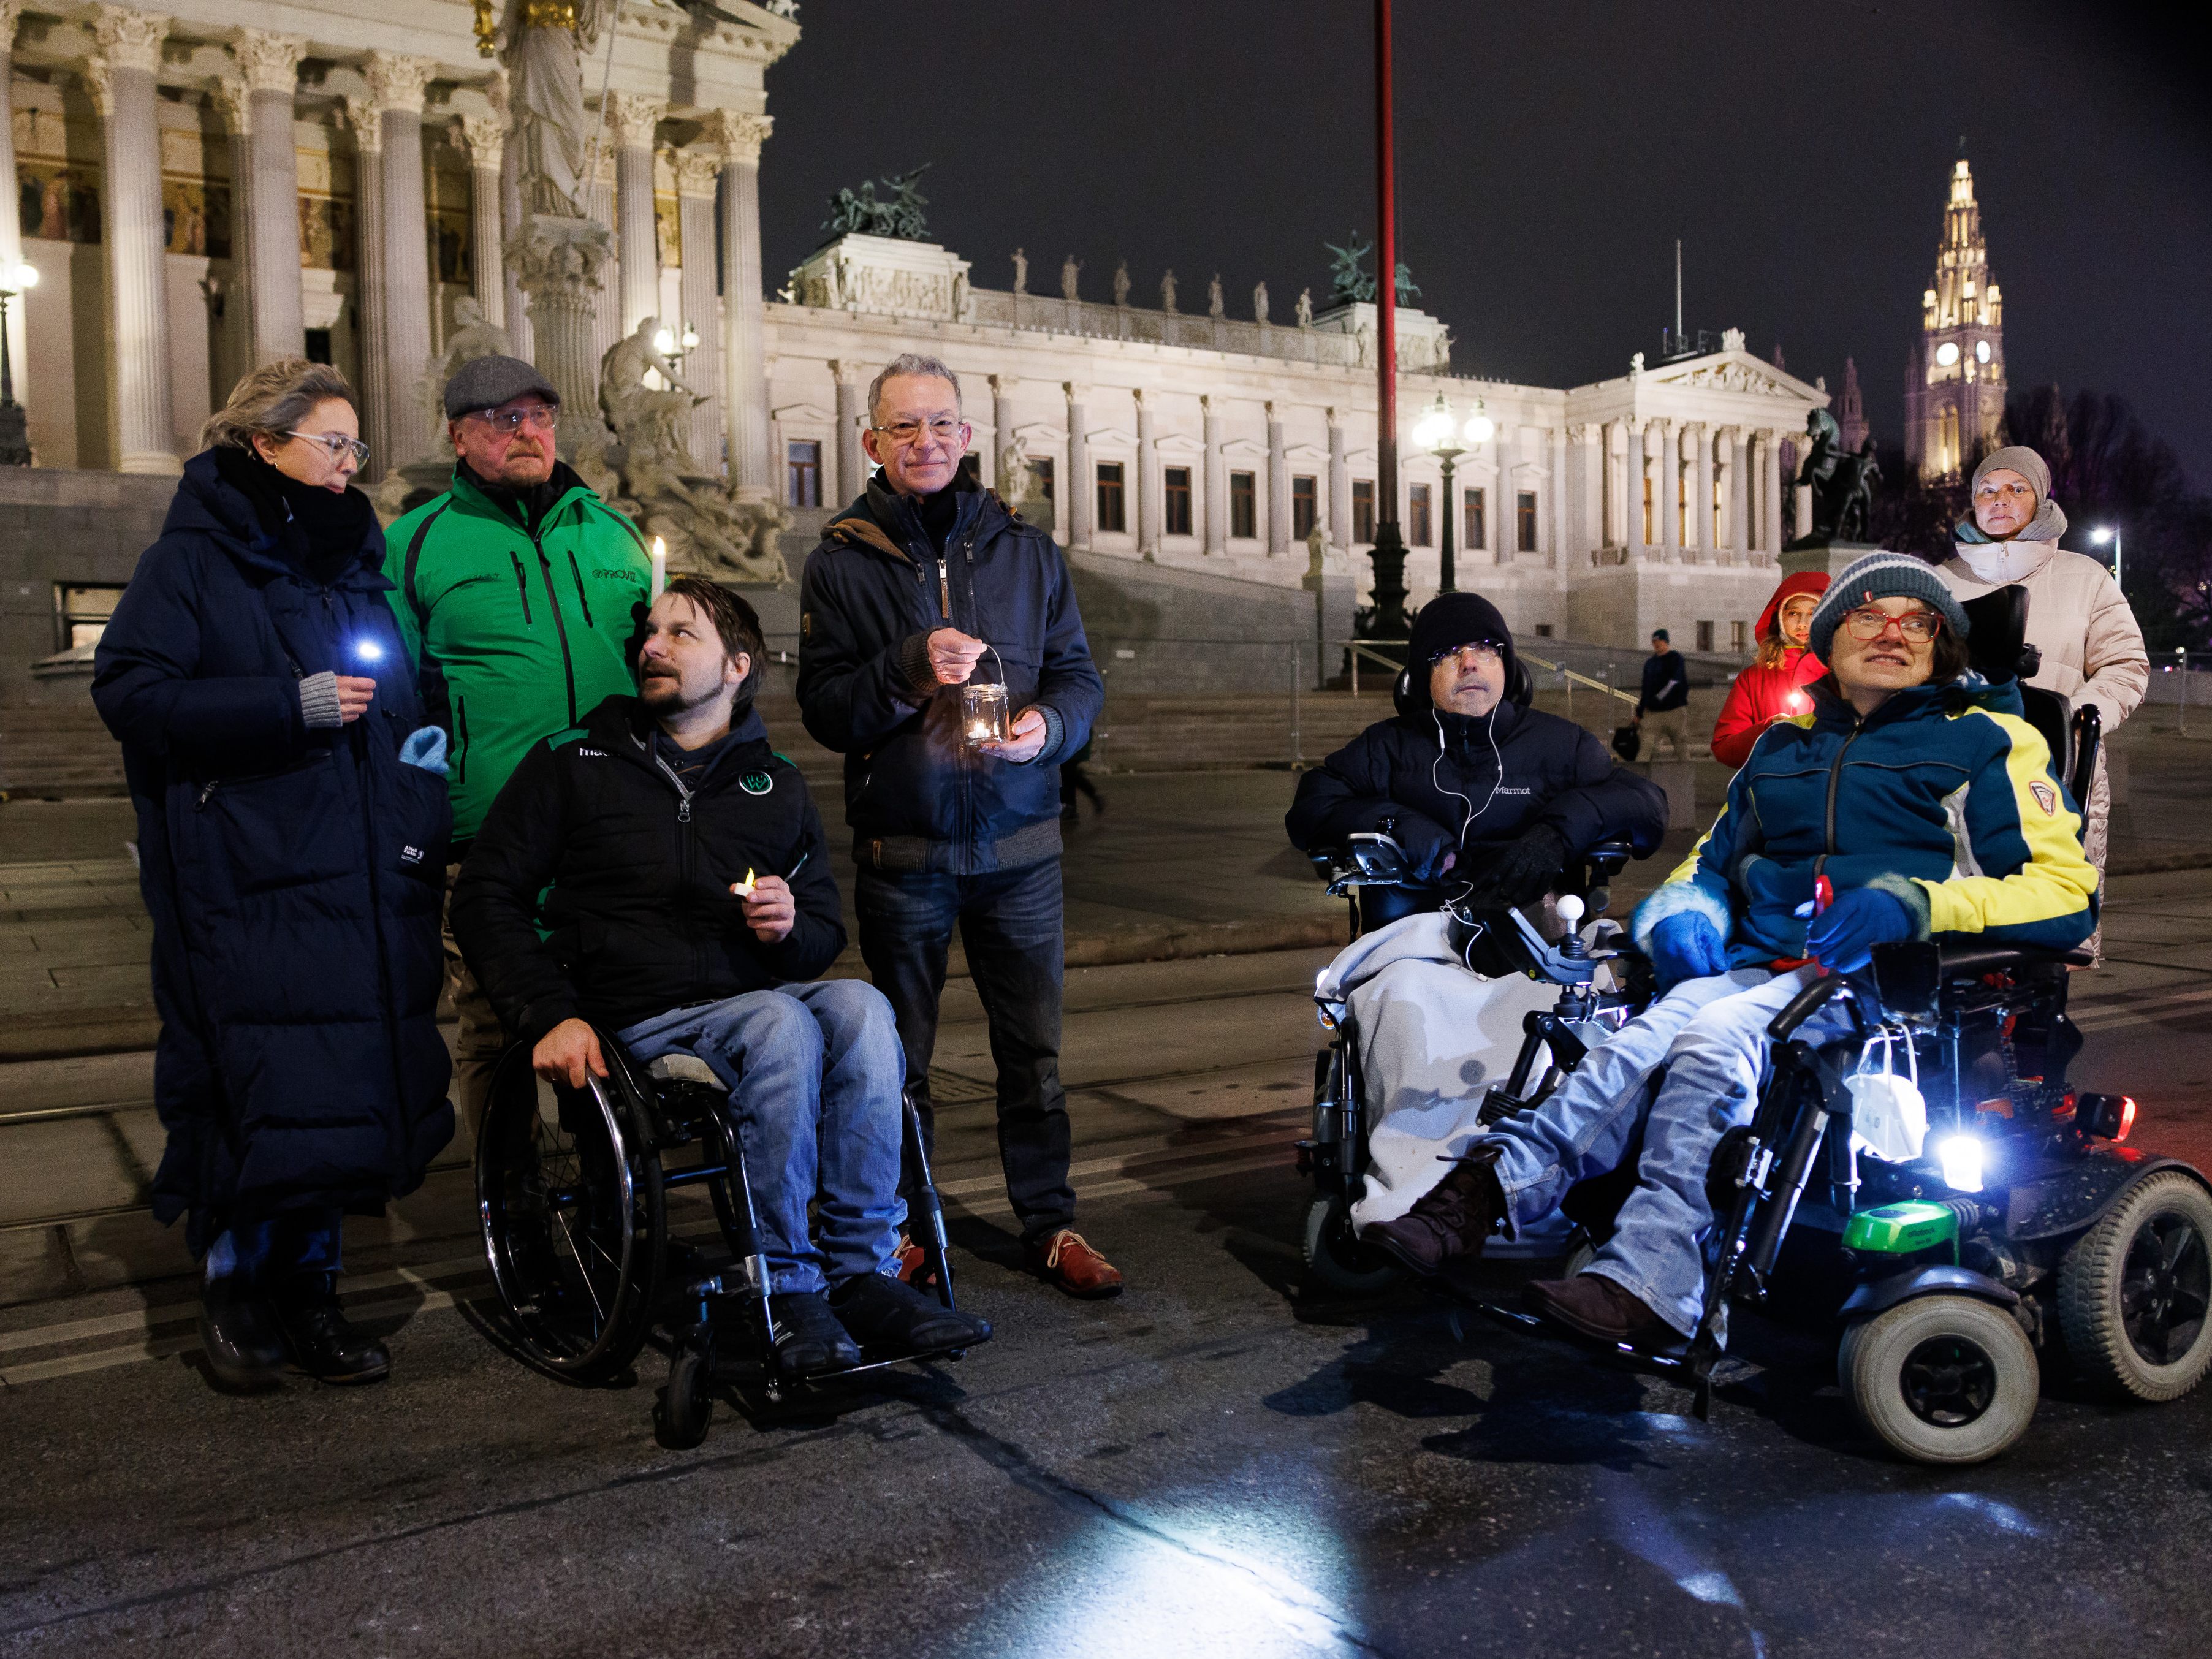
(808, 414)
(1735, 371)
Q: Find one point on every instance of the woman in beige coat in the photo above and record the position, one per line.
(2092, 651)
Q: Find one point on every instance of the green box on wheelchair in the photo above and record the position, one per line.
(1903, 1229)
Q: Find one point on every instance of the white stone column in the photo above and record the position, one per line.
(632, 120)
(121, 80)
(598, 194)
(11, 235)
(1552, 532)
(485, 139)
(697, 172)
(1701, 493)
(1002, 432)
(368, 283)
(235, 100)
(1340, 488)
(518, 330)
(1616, 475)
(1082, 502)
(737, 138)
(1635, 459)
(266, 199)
(396, 82)
(1217, 482)
(1669, 494)
(1769, 492)
(851, 460)
(1739, 496)
(1278, 488)
(1149, 515)
(1588, 532)
(1504, 524)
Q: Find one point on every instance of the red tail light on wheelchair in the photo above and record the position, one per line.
(2104, 1117)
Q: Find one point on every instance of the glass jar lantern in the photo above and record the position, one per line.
(983, 714)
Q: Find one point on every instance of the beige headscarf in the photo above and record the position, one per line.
(2049, 522)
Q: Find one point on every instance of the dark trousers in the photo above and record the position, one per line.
(1010, 927)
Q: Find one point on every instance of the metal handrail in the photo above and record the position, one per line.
(1358, 648)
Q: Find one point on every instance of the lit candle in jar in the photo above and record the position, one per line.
(983, 711)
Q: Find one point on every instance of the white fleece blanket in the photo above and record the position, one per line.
(1434, 1038)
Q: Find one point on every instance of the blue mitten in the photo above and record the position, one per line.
(1842, 937)
(1686, 946)
(425, 747)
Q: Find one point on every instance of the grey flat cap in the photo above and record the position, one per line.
(488, 382)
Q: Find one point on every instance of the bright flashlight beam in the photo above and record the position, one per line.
(1962, 1158)
(369, 651)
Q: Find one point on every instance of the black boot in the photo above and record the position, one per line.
(882, 1311)
(244, 1348)
(808, 1338)
(323, 1342)
(1451, 1223)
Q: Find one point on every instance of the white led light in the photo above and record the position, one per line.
(369, 651)
(1962, 1158)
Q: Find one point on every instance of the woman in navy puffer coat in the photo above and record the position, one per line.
(291, 825)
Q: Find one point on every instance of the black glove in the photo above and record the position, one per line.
(1523, 871)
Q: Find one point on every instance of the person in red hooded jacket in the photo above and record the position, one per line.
(1774, 684)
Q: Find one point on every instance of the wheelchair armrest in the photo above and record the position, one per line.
(1608, 858)
(1910, 976)
(2088, 737)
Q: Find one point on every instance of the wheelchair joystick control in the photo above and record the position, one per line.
(1571, 912)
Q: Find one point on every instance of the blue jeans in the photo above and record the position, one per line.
(266, 1251)
(1010, 920)
(1710, 1035)
(814, 1073)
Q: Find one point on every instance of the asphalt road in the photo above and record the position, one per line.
(1215, 1463)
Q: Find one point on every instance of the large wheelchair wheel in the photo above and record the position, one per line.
(2133, 1290)
(568, 1189)
(1942, 1379)
(1336, 1258)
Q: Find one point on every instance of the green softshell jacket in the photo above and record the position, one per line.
(514, 636)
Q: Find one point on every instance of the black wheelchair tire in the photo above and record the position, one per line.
(2125, 1312)
(686, 1406)
(1337, 1260)
(588, 1325)
(1990, 1387)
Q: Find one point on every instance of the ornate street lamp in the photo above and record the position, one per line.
(1439, 432)
(14, 420)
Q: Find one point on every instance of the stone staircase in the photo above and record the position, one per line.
(58, 750)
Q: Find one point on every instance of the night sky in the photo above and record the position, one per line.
(1549, 154)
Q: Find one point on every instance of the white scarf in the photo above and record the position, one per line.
(1999, 563)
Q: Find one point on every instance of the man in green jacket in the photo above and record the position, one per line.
(522, 596)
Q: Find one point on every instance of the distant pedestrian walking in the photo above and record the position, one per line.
(292, 829)
(1662, 712)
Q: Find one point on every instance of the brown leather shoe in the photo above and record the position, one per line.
(1065, 1259)
(1600, 1307)
(1451, 1222)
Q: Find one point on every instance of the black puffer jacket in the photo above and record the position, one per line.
(1435, 773)
(639, 918)
(917, 797)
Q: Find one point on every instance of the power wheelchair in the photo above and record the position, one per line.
(574, 1189)
(1372, 873)
(2026, 1232)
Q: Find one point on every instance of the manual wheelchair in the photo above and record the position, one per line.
(1371, 872)
(573, 1191)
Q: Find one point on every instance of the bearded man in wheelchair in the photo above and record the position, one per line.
(1913, 802)
(1492, 802)
(659, 874)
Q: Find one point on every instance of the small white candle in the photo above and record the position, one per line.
(660, 567)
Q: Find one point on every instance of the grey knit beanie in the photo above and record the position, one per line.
(2014, 457)
(1882, 576)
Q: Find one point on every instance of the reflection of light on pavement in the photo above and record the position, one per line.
(1638, 1526)
(1146, 1584)
(2003, 1516)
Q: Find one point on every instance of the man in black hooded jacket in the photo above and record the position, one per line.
(1488, 791)
(1484, 788)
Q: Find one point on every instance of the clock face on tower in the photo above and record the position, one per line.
(1981, 351)
(1946, 354)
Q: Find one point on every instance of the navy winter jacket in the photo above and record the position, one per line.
(294, 876)
(916, 796)
(1440, 777)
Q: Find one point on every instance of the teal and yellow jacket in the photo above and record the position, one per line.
(1944, 797)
